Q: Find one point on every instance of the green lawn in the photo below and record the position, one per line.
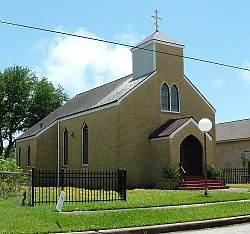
(44, 218)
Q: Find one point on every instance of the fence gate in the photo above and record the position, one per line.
(79, 186)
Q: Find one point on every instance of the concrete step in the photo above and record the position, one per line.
(198, 182)
(201, 182)
(202, 187)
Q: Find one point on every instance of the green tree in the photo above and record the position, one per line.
(45, 99)
(24, 101)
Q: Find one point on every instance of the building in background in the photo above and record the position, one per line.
(233, 144)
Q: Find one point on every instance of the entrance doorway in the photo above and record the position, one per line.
(191, 155)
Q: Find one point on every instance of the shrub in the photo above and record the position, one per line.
(9, 165)
(10, 176)
(171, 171)
(216, 172)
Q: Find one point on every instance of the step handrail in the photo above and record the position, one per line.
(183, 173)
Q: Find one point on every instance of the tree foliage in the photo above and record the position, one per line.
(24, 100)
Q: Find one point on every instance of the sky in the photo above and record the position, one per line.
(213, 30)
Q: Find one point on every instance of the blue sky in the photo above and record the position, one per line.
(213, 30)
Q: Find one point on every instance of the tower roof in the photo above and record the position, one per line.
(158, 36)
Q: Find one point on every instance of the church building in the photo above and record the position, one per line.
(140, 122)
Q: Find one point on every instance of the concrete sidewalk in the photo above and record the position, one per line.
(152, 207)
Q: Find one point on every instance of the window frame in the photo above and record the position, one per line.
(168, 103)
(65, 147)
(28, 156)
(178, 99)
(170, 98)
(19, 156)
(85, 140)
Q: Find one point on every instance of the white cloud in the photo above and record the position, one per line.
(129, 36)
(245, 75)
(80, 64)
(217, 82)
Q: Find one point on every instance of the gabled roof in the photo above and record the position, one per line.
(233, 131)
(169, 127)
(94, 98)
(157, 36)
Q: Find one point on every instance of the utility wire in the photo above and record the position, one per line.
(123, 44)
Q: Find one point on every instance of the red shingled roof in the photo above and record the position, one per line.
(168, 128)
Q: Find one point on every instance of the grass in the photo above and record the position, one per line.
(44, 218)
(153, 197)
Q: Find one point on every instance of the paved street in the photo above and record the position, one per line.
(235, 229)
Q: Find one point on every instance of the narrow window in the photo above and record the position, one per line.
(28, 156)
(165, 102)
(19, 157)
(65, 147)
(85, 147)
(174, 99)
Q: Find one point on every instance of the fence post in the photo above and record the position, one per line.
(119, 190)
(122, 183)
(125, 184)
(62, 179)
(32, 184)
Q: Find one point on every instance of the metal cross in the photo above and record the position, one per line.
(156, 20)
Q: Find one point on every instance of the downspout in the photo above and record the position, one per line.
(58, 150)
(16, 152)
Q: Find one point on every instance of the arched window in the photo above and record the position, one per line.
(174, 98)
(85, 146)
(19, 156)
(28, 155)
(65, 147)
(165, 101)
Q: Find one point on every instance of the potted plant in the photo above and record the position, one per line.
(171, 177)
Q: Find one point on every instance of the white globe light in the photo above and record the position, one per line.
(205, 125)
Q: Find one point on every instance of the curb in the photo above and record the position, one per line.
(181, 226)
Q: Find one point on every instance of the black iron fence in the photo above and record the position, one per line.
(235, 175)
(79, 186)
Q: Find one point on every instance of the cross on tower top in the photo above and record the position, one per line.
(156, 20)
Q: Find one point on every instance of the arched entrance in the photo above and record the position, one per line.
(191, 155)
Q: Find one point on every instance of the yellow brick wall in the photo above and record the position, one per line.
(33, 153)
(103, 140)
(159, 157)
(47, 149)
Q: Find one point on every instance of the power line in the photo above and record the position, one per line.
(122, 44)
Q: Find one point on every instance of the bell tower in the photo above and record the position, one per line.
(157, 52)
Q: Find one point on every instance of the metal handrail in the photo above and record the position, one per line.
(183, 174)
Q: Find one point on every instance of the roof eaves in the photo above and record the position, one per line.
(86, 110)
(62, 118)
(141, 46)
(233, 121)
(233, 140)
